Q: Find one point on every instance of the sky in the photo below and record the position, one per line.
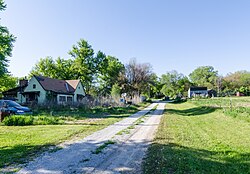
(170, 35)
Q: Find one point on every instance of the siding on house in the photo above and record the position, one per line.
(42, 93)
(20, 98)
(79, 90)
(41, 89)
(197, 91)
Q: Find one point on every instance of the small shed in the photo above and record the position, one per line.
(195, 91)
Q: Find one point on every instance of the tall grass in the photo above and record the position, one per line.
(238, 107)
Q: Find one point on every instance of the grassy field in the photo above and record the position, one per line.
(199, 139)
(237, 107)
(20, 143)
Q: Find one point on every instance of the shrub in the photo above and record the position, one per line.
(17, 120)
(47, 120)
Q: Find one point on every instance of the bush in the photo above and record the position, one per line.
(47, 120)
(18, 120)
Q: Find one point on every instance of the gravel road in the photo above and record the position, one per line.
(124, 156)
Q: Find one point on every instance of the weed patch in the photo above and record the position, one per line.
(103, 146)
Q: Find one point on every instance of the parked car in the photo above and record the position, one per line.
(14, 108)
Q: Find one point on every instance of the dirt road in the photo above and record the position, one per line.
(97, 153)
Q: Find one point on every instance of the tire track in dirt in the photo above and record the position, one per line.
(73, 157)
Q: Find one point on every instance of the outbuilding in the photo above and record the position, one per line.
(195, 91)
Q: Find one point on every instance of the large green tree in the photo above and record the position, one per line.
(109, 73)
(174, 84)
(59, 68)
(86, 64)
(6, 40)
(204, 76)
(44, 67)
(7, 82)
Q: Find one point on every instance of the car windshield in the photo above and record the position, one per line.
(12, 104)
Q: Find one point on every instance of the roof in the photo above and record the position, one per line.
(73, 83)
(56, 85)
(13, 91)
(196, 88)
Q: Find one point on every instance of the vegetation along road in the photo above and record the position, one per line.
(117, 148)
(197, 137)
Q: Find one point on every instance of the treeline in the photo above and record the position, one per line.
(99, 72)
(176, 84)
(105, 75)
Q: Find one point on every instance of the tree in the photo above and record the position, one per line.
(86, 64)
(136, 77)
(204, 76)
(115, 91)
(110, 70)
(58, 69)
(6, 40)
(64, 69)
(7, 82)
(174, 84)
(236, 82)
(44, 67)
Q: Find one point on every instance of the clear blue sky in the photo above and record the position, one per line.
(176, 34)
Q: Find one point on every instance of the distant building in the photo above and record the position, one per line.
(197, 91)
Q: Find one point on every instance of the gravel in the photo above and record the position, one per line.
(125, 156)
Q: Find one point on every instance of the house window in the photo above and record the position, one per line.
(62, 98)
(34, 86)
(69, 99)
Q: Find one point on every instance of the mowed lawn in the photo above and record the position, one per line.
(20, 143)
(196, 139)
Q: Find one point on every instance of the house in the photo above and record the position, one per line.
(47, 90)
(197, 91)
(16, 93)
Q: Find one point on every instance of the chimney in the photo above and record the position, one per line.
(23, 82)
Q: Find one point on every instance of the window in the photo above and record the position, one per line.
(69, 99)
(62, 98)
(34, 86)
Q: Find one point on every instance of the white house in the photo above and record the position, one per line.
(41, 90)
(197, 91)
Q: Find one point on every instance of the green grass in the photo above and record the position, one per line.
(20, 143)
(197, 139)
(237, 107)
(103, 146)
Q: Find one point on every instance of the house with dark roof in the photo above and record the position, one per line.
(194, 91)
(16, 93)
(41, 90)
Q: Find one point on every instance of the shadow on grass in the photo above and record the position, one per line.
(161, 158)
(173, 158)
(192, 111)
(20, 154)
(178, 101)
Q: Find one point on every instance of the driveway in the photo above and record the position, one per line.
(119, 148)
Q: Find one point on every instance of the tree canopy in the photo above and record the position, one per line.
(204, 76)
(6, 40)
(174, 84)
